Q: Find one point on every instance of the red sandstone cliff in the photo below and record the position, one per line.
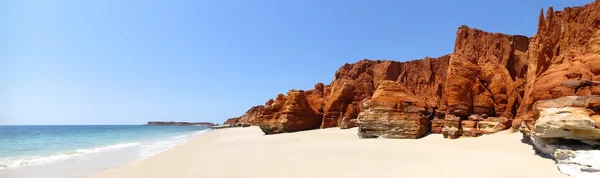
(489, 80)
(565, 47)
(486, 74)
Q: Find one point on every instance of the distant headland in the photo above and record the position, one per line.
(173, 123)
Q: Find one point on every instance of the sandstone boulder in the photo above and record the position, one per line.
(289, 114)
(469, 128)
(493, 124)
(437, 125)
(452, 127)
(566, 129)
(393, 112)
(568, 123)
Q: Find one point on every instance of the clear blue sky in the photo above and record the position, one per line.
(127, 62)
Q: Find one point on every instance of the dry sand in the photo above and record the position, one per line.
(247, 153)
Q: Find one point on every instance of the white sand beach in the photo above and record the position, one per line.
(247, 153)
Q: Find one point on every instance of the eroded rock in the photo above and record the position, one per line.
(568, 123)
(393, 112)
(566, 129)
(493, 125)
(563, 57)
(486, 73)
(452, 127)
(289, 114)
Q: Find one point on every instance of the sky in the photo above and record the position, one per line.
(131, 61)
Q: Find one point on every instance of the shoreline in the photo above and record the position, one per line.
(93, 160)
(246, 152)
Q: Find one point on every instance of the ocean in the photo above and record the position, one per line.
(81, 151)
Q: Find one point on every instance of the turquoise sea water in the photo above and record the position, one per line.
(24, 146)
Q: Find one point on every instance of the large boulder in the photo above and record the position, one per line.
(571, 117)
(568, 123)
(567, 128)
(469, 128)
(437, 125)
(492, 125)
(452, 127)
(289, 114)
(393, 112)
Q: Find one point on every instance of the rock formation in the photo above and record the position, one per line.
(340, 102)
(568, 128)
(393, 112)
(488, 84)
(251, 116)
(547, 86)
(232, 121)
(173, 123)
(486, 74)
(565, 47)
(288, 114)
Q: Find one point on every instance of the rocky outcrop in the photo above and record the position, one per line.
(232, 121)
(578, 162)
(289, 114)
(437, 125)
(339, 103)
(173, 123)
(570, 117)
(565, 47)
(488, 84)
(352, 84)
(568, 128)
(493, 125)
(251, 116)
(452, 127)
(486, 74)
(469, 128)
(393, 112)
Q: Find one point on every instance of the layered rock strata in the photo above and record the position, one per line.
(393, 112)
(568, 129)
(488, 84)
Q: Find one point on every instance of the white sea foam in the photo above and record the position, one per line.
(178, 137)
(14, 162)
(154, 148)
(145, 150)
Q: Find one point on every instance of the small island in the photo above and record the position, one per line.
(173, 123)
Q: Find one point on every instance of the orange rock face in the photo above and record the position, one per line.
(289, 114)
(251, 116)
(393, 112)
(352, 84)
(486, 73)
(232, 121)
(488, 84)
(437, 125)
(469, 128)
(565, 48)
